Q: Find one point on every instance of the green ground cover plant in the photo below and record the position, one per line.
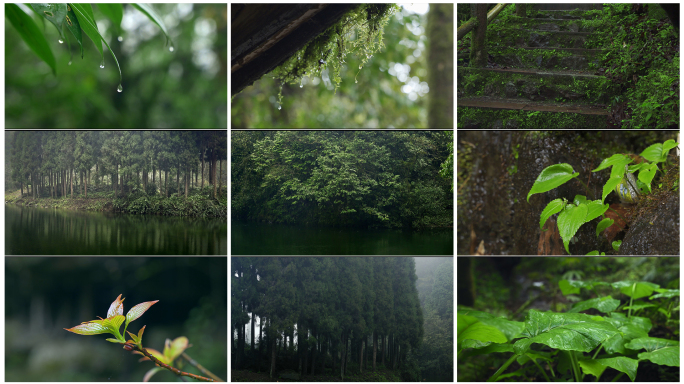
(571, 345)
(622, 180)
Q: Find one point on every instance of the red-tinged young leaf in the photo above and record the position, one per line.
(151, 373)
(89, 328)
(116, 308)
(138, 311)
(140, 332)
(136, 339)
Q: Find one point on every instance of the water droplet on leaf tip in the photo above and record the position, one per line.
(360, 66)
(120, 88)
(170, 49)
(69, 62)
(301, 85)
(101, 65)
(279, 107)
(120, 38)
(60, 41)
(356, 81)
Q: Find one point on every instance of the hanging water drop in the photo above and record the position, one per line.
(61, 41)
(69, 62)
(356, 81)
(102, 63)
(120, 38)
(301, 85)
(279, 107)
(360, 66)
(120, 88)
(171, 48)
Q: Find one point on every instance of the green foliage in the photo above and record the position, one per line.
(573, 215)
(579, 338)
(365, 179)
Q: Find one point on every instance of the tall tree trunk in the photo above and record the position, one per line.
(440, 65)
(273, 357)
(86, 185)
(251, 345)
(71, 182)
(383, 350)
(213, 170)
(81, 183)
(361, 348)
(187, 175)
(478, 48)
(313, 360)
(166, 183)
(343, 356)
(375, 347)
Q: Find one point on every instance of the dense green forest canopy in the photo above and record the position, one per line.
(362, 178)
(335, 316)
(58, 164)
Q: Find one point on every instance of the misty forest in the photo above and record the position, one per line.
(342, 318)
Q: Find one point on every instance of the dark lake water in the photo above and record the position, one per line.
(278, 239)
(37, 231)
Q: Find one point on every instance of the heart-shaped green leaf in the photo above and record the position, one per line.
(605, 223)
(564, 331)
(636, 290)
(552, 177)
(32, 36)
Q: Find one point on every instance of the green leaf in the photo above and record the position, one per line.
(511, 329)
(74, 26)
(669, 144)
(659, 351)
(605, 223)
(604, 304)
(32, 36)
(621, 363)
(636, 290)
(579, 199)
(654, 153)
(564, 331)
(569, 222)
(152, 15)
(609, 186)
(53, 12)
(113, 11)
(116, 307)
(616, 159)
(138, 311)
(552, 177)
(616, 245)
(646, 175)
(85, 16)
(552, 208)
(89, 328)
(665, 293)
(470, 328)
(595, 208)
(568, 289)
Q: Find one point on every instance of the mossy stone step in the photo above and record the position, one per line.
(534, 85)
(525, 105)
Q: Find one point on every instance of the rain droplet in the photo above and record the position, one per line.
(120, 38)
(356, 81)
(120, 88)
(279, 107)
(301, 85)
(61, 41)
(102, 64)
(360, 66)
(171, 49)
(69, 62)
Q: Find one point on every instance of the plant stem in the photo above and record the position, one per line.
(503, 368)
(618, 376)
(201, 368)
(163, 365)
(541, 369)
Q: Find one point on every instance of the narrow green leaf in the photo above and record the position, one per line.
(138, 311)
(152, 15)
(32, 36)
(113, 11)
(85, 14)
(552, 208)
(552, 177)
(74, 26)
(617, 158)
(609, 186)
(53, 12)
(89, 328)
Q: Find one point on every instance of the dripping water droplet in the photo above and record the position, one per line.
(120, 88)
(360, 66)
(69, 62)
(120, 38)
(356, 81)
(301, 85)
(102, 64)
(171, 49)
(279, 107)
(61, 41)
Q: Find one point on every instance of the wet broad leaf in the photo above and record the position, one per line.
(564, 331)
(31, 35)
(552, 177)
(622, 364)
(552, 208)
(511, 329)
(604, 304)
(472, 333)
(569, 222)
(636, 289)
(659, 351)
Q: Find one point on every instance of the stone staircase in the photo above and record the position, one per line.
(538, 75)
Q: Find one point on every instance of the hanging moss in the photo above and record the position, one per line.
(359, 32)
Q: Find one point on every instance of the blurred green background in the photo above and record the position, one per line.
(186, 88)
(46, 295)
(391, 92)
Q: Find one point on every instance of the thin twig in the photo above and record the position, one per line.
(163, 365)
(201, 368)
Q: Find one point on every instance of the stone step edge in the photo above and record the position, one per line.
(536, 72)
(528, 106)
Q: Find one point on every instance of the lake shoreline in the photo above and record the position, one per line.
(140, 204)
